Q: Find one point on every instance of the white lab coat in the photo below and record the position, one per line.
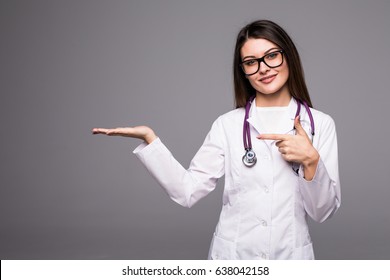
(265, 207)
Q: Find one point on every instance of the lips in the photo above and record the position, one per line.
(268, 79)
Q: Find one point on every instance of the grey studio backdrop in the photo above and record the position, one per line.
(69, 66)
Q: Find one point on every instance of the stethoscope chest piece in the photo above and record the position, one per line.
(249, 159)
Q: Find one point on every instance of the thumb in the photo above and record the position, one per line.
(298, 126)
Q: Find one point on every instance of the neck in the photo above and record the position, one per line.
(277, 99)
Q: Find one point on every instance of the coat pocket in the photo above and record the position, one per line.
(222, 249)
(230, 196)
(304, 253)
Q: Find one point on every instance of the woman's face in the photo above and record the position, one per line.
(266, 80)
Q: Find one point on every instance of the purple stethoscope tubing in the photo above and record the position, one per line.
(249, 159)
(246, 130)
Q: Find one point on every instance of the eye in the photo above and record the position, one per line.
(272, 55)
(249, 62)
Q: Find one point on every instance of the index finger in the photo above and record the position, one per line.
(279, 137)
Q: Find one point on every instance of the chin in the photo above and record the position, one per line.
(268, 91)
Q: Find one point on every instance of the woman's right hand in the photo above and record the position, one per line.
(142, 132)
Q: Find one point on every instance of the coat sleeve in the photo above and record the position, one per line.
(186, 186)
(321, 195)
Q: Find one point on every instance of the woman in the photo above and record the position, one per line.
(288, 173)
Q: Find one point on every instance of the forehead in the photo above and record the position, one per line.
(256, 47)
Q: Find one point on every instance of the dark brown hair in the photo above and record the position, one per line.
(272, 32)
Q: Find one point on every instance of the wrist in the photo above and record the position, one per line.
(150, 137)
(312, 159)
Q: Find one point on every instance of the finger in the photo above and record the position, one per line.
(99, 131)
(280, 144)
(119, 131)
(112, 132)
(298, 127)
(280, 137)
(284, 150)
(287, 157)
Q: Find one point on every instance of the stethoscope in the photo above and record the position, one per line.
(249, 159)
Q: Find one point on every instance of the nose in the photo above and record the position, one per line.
(263, 68)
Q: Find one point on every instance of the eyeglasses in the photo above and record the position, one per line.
(272, 60)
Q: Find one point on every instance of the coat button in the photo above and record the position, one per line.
(263, 223)
(264, 256)
(266, 190)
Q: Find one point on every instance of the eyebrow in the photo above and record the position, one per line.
(265, 53)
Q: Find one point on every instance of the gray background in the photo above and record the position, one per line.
(69, 66)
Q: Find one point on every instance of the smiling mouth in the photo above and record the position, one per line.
(268, 79)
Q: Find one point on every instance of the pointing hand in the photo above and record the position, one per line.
(295, 148)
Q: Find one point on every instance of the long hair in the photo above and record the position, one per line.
(265, 29)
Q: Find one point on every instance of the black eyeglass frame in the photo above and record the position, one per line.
(261, 59)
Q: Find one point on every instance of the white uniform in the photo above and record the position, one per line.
(265, 207)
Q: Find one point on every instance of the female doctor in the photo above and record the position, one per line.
(278, 155)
